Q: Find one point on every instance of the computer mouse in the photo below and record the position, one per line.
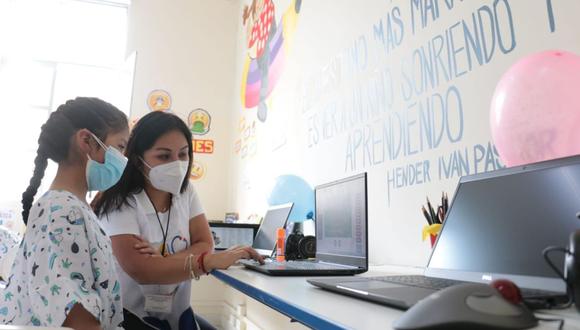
(466, 306)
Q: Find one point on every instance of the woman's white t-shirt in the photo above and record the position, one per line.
(64, 259)
(140, 219)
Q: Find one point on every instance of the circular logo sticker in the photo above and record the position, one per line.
(199, 121)
(197, 170)
(159, 100)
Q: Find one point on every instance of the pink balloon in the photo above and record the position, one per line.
(535, 109)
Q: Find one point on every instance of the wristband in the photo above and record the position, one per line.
(200, 263)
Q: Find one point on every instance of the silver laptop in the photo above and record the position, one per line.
(341, 233)
(496, 228)
(276, 217)
(226, 235)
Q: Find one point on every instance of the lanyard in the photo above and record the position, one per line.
(164, 233)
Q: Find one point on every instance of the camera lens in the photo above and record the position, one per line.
(307, 247)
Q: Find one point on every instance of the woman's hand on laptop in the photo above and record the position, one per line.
(224, 259)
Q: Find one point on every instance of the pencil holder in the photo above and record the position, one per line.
(432, 231)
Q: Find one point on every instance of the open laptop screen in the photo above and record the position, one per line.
(341, 221)
(226, 235)
(275, 218)
(499, 223)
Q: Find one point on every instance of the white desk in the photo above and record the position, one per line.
(320, 309)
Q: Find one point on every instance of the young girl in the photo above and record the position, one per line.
(63, 273)
(155, 203)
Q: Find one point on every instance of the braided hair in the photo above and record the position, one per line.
(98, 116)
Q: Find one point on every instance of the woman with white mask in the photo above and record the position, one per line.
(160, 235)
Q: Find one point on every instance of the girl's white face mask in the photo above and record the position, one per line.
(168, 177)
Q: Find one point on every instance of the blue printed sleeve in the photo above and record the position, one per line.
(65, 259)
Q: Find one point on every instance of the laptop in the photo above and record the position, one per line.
(276, 217)
(496, 228)
(341, 233)
(226, 235)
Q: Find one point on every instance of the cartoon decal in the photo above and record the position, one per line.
(159, 100)
(197, 170)
(199, 121)
(202, 146)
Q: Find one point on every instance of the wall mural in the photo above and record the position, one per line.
(246, 145)
(268, 43)
(414, 105)
(399, 89)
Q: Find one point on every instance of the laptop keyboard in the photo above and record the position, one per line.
(307, 265)
(299, 265)
(441, 283)
(419, 281)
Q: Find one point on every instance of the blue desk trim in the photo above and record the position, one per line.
(296, 313)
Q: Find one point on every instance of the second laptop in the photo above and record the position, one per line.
(341, 233)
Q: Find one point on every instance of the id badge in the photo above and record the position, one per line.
(159, 303)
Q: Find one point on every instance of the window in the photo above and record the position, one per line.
(52, 51)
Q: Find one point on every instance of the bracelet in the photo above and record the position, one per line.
(189, 262)
(191, 269)
(200, 263)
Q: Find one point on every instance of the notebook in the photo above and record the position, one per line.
(276, 217)
(341, 233)
(225, 235)
(496, 227)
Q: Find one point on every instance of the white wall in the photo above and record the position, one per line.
(337, 57)
(187, 47)
(197, 50)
